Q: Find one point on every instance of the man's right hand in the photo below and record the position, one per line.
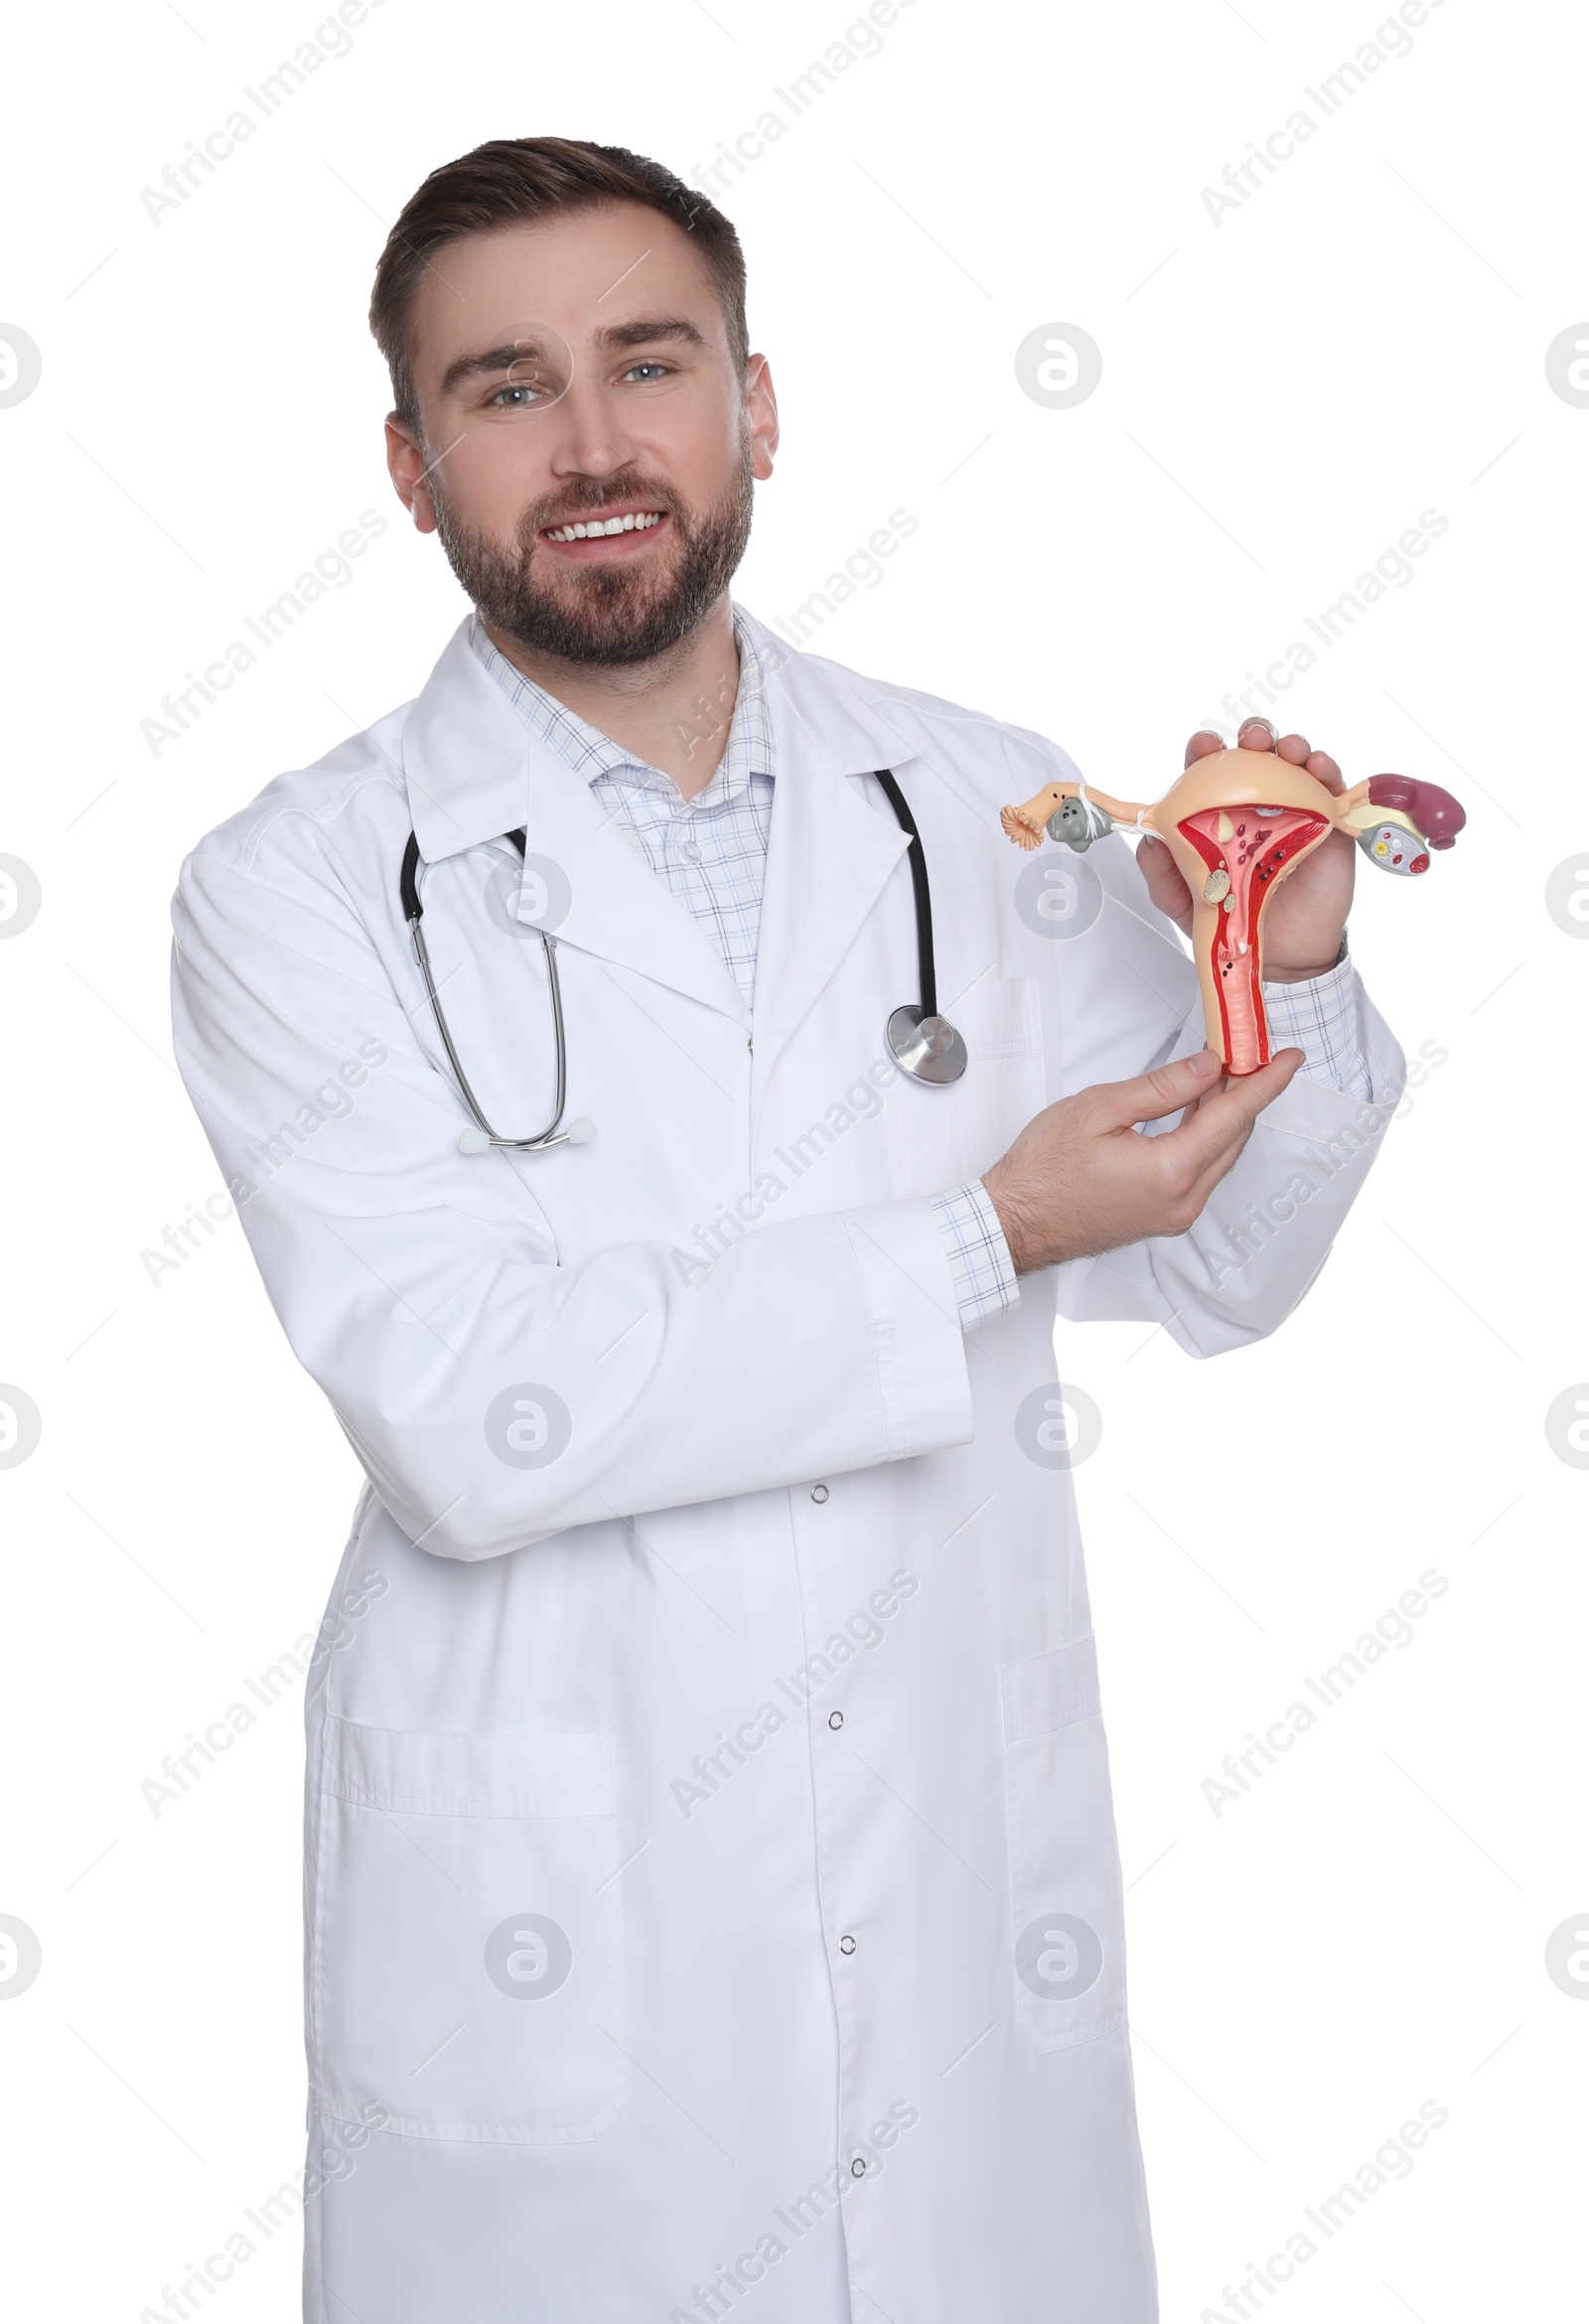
(1080, 1179)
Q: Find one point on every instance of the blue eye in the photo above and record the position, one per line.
(656, 369)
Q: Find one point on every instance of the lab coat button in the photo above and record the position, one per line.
(819, 1493)
(835, 1720)
(858, 2167)
(846, 1945)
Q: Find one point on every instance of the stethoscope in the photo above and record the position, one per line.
(924, 1045)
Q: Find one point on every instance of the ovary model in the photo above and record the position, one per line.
(1237, 823)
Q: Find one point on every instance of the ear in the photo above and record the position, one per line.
(405, 464)
(761, 409)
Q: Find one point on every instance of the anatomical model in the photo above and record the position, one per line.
(1237, 823)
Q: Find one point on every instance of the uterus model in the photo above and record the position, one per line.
(1238, 822)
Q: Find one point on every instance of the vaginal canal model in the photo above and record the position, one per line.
(1237, 823)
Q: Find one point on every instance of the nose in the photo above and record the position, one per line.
(589, 436)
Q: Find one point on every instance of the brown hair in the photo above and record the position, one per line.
(517, 180)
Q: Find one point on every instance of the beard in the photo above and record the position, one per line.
(612, 616)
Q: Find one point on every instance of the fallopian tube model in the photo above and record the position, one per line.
(1237, 823)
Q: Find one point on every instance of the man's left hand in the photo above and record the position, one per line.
(1306, 915)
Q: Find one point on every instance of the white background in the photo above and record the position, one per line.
(1283, 393)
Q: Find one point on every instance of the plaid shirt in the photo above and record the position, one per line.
(712, 852)
(1320, 1017)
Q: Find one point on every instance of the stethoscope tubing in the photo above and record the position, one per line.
(553, 1135)
(925, 1045)
(926, 967)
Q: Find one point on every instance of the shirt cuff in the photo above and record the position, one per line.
(980, 1258)
(1319, 1016)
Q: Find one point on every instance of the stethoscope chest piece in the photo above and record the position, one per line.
(927, 1047)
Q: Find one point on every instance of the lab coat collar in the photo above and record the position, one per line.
(832, 850)
(473, 771)
(852, 725)
(464, 755)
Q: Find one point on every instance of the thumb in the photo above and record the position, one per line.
(1169, 1088)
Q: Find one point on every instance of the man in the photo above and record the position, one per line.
(712, 1893)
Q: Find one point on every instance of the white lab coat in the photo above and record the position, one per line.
(616, 1752)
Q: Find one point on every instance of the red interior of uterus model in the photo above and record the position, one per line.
(1237, 823)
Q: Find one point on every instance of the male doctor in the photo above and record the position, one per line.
(711, 1887)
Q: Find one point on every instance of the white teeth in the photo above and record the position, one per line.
(606, 525)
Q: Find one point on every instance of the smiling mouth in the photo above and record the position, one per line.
(605, 528)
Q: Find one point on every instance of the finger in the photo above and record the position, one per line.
(1223, 1161)
(1214, 1087)
(1296, 748)
(1224, 1117)
(1323, 769)
(1150, 1096)
(1257, 734)
(1201, 744)
(1249, 1093)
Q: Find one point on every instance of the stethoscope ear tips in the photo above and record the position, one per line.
(472, 1142)
(582, 1131)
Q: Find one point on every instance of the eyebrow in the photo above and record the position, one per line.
(646, 331)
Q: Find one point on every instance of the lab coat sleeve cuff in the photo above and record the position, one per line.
(980, 1258)
(1266, 1229)
(917, 1334)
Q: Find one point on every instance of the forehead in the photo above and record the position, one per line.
(582, 275)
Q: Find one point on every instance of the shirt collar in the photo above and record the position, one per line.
(472, 768)
(591, 754)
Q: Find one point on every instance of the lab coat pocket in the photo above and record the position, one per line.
(1066, 1903)
(949, 1133)
(466, 1956)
